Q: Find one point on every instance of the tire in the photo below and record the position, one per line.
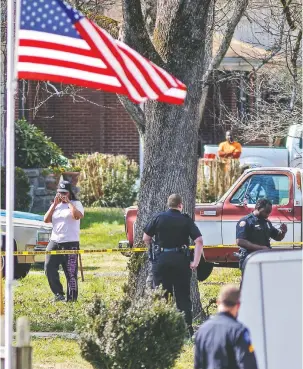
(204, 270)
(20, 270)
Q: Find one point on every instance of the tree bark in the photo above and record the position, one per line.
(171, 145)
(149, 12)
(181, 43)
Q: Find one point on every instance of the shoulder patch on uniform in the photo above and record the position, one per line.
(242, 223)
(251, 348)
(247, 340)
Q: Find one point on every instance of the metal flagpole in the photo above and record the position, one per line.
(11, 82)
(2, 84)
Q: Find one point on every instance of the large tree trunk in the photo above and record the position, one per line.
(180, 40)
(164, 138)
(170, 151)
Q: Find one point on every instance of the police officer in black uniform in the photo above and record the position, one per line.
(254, 231)
(222, 341)
(171, 265)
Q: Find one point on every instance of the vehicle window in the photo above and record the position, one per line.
(238, 197)
(274, 187)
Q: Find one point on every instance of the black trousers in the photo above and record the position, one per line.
(70, 267)
(173, 272)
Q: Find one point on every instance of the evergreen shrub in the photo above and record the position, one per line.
(33, 148)
(22, 187)
(145, 334)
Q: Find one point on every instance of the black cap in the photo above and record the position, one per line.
(64, 186)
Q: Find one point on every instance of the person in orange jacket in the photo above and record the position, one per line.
(229, 148)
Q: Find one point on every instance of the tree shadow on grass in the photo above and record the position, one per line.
(87, 268)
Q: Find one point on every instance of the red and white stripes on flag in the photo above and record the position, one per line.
(95, 60)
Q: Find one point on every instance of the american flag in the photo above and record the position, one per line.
(58, 43)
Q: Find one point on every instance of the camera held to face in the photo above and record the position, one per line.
(62, 197)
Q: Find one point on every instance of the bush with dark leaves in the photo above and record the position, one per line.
(33, 148)
(22, 187)
(146, 334)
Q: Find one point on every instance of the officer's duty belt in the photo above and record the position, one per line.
(173, 249)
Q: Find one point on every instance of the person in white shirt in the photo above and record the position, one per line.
(64, 213)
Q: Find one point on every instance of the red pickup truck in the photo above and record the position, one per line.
(217, 221)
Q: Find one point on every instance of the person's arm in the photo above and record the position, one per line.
(278, 234)
(221, 152)
(49, 214)
(149, 232)
(195, 235)
(198, 253)
(242, 235)
(244, 351)
(147, 239)
(75, 212)
(237, 151)
(249, 246)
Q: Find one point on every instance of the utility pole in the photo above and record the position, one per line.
(2, 81)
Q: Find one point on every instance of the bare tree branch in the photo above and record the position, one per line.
(134, 32)
(46, 91)
(251, 59)
(296, 50)
(272, 116)
(135, 112)
(149, 11)
(286, 10)
(174, 25)
(239, 8)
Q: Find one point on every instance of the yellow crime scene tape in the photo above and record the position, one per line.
(134, 249)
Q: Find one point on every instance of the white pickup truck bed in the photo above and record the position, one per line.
(258, 156)
(266, 156)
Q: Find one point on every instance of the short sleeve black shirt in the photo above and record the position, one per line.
(172, 229)
(256, 230)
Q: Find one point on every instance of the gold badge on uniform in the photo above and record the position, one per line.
(242, 223)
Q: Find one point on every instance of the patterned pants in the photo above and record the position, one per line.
(70, 267)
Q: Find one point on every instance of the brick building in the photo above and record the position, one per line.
(100, 123)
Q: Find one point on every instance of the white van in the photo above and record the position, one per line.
(271, 307)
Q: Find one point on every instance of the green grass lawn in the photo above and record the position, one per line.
(58, 353)
(104, 275)
(102, 228)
